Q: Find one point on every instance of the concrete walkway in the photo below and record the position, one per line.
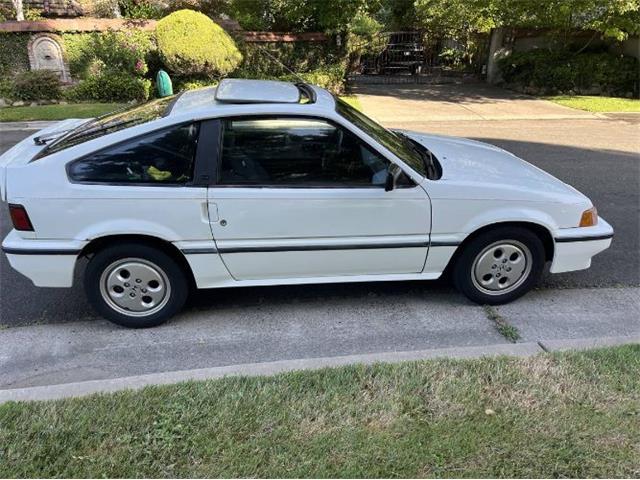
(421, 103)
(260, 339)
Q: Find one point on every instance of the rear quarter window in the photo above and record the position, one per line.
(162, 157)
(111, 123)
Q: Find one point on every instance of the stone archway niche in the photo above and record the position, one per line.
(45, 53)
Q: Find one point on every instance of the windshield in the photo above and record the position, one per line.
(398, 144)
(110, 123)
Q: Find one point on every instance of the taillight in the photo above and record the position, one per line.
(20, 218)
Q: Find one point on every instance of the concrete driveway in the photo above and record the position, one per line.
(54, 338)
(409, 103)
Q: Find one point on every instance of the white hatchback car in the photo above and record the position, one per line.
(267, 183)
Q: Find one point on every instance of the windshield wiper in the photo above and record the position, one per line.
(43, 139)
(89, 131)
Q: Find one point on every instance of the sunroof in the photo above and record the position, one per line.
(256, 91)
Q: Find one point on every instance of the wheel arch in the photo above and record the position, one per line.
(539, 230)
(99, 243)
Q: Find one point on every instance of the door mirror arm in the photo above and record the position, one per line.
(393, 173)
(390, 182)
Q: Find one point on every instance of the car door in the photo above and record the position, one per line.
(304, 197)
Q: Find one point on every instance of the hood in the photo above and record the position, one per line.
(476, 164)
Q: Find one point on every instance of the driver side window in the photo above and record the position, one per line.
(296, 151)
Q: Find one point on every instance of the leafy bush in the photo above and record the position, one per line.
(190, 43)
(36, 85)
(111, 65)
(125, 51)
(141, 8)
(564, 71)
(270, 58)
(331, 77)
(109, 87)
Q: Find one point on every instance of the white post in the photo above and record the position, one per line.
(496, 51)
(17, 4)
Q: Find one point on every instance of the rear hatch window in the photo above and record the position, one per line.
(109, 123)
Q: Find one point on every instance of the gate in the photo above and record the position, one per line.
(417, 56)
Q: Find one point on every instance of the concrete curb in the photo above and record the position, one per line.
(34, 125)
(77, 389)
(587, 343)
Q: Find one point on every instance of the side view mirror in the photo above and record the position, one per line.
(389, 182)
(393, 173)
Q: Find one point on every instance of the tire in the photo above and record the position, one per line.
(135, 286)
(499, 265)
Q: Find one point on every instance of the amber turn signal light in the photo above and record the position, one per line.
(589, 217)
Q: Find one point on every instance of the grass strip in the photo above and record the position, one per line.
(551, 415)
(56, 112)
(598, 104)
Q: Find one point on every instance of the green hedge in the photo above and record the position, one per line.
(110, 87)
(553, 72)
(36, 85)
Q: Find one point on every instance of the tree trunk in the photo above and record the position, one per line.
(17, 4)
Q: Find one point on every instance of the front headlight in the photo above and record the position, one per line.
(589, 218)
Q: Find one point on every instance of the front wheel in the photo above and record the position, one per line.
(500, 265)
(135, 285)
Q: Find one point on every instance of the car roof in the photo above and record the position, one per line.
(231, 93)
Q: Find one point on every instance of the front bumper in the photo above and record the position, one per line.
(574, 247)
(47, 263)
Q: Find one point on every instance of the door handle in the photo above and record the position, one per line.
(213, 212)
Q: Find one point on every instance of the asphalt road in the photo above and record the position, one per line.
(599, 157)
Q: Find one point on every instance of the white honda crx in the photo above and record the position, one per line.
(269, 183)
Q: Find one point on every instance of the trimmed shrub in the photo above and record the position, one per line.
(190, 43)
(36, 85)
(552, 72)
(110, 87)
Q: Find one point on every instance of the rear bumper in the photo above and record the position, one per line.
(47, 263)
(574, 247)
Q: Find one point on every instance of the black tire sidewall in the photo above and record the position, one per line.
(104, 258)
(464, 263)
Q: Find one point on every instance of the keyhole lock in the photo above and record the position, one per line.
(223, 223)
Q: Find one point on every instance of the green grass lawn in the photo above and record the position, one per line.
(56, 112)
(598, 104)
(553, 415)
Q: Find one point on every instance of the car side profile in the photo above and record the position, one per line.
(267, 183)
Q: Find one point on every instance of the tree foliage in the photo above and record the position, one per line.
(613, 18)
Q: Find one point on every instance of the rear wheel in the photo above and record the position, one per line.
(135, 285)
(500, 265)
